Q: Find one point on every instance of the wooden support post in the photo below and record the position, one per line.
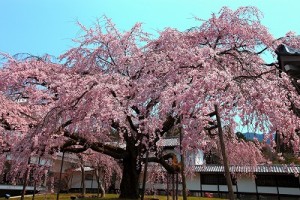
(224, 155)
(278, 195)
(256, 190)
(25, 180)
(34, 187)
(237, 189)
(200, 185)
(167, 186)
(177, 186)
(184, 194)
(218, 179)
(145, 176)
(60, 172)
(92, 180)
(173, 187)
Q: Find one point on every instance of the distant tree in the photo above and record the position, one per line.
(241, 136)
(64, 184)
(106, 170)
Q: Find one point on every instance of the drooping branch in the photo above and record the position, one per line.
(29, 116)
(108, 149)
(77, 100)
(239, 78)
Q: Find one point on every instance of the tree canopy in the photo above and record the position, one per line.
(131, 88)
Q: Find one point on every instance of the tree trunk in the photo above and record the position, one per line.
(25, 181)
(25, 184)
(184, 188)
(129, 187)
(224, 155)
(100, 188)
(83, 191)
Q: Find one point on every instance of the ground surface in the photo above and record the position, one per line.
(107, 197)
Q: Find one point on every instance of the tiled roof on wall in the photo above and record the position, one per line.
(250, 169)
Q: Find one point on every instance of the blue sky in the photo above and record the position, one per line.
(38, 27)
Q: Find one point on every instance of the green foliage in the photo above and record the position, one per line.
(290, 158)
(285, 158)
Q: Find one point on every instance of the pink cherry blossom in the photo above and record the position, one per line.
(118, 89)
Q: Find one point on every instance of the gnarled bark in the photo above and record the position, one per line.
(131, 171)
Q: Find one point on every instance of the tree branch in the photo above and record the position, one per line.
(113, 151)
(174, 167)
(237, 78)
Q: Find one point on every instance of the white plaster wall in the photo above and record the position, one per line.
(57, 164)
(210, 187)
(75, 182)
(263, 189)
(246, 184)
(88, 184)
(40, 161)
(224, 188)
(194, 182)
(160, 186)
(292, 191)
(153, 186)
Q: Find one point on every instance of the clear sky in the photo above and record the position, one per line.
(47, 26)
